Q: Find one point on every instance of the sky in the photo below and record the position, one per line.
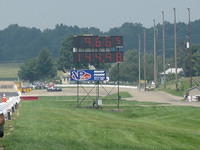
(103, 14)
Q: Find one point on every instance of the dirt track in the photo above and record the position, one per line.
(149, 96)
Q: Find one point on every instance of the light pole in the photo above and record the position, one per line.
(164, 48)
(155, 55)
(175, 49)
(139, 59)
(188, 46)
(144, 60)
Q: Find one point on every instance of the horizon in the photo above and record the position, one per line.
(52, 28)
(103, 15)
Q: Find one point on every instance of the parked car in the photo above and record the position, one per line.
(38, 85)
(54, 89)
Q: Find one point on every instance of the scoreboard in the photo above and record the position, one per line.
(102, 49)
(98, 42)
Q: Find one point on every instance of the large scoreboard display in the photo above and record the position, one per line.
(102, 49)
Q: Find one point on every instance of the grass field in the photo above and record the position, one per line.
(54, 123)
(8, 71)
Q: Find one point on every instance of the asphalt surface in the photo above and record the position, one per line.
(148, 96)
(8, 94)
(91, 90)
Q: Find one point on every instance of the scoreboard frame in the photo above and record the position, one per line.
(97, 49)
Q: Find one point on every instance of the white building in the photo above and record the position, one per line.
(173, 71)
(193, 94)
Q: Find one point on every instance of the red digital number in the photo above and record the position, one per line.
(109, 57)
(119, 57)
(97, 42)
(108, 42)
(99, 57)
(88, 41)
(118, 40)
(78, 57)
(88, 57)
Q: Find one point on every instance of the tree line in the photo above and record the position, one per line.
(56, 54)
(21, 43)
(44, 67)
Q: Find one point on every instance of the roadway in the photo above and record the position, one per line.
(148, 96)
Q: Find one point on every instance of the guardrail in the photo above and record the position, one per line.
(6, 111)
(9, 107)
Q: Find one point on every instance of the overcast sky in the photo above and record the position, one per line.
(103, 14)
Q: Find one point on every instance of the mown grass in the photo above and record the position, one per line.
(54, 123)
(115, 95)
(8, 71)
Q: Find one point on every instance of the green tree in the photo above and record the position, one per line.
(45, 65)
(128, 69)
(196, 60)
(28, 71)
(184, 60)
(65, 61)
(39, 68)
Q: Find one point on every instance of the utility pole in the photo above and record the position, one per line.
(175, 49)
(189, 45)
(139, 59)
(145, 60)
(164, 49)
(155, 55)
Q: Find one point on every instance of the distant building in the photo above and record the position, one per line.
(193, 94)
(173, 71)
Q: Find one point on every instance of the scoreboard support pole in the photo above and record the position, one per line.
(98, 82)
(77, 82)
(118, 96)
(77, 93)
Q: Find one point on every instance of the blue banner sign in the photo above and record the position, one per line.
(87, 75)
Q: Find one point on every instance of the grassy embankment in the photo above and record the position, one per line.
(8, 71)
(54, 123)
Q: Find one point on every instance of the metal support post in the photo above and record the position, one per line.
(189, 46)
(175, 49)
(118, 96)
(139, 59)
(144, 60)
(164, 50)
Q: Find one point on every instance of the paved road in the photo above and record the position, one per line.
(8, 94)
(7, 88)
(149, 96)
